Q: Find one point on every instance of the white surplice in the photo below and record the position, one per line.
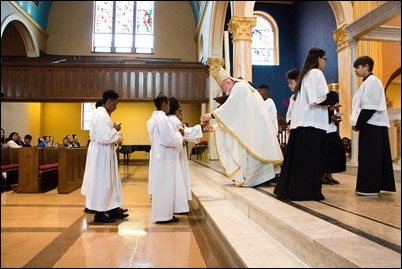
(164, 166)
(246, 140)
(191, 134)
(101, 185)
(370, 95)
(273, 113)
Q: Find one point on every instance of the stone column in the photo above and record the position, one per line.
(240, 28)
(214, 89)
(355, 136)
(345, 71)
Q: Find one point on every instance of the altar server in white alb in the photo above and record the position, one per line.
(164, 164)
(370, 118)
(102, 184)
(191, 134)
(246, 141)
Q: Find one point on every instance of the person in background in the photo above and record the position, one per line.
(246, 141)
(27, 141)
(66, 143)
(369, 117)
(291, 77)
(164, 164)
(3, 138)
(193, 134)
(41, 142)
(102, 184)
(13, 140)
(75, 143)
(270, 105)
(306, 153)
(51, 142)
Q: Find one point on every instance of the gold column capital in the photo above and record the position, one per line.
(340, 36)
(215, 65)
(240, 27)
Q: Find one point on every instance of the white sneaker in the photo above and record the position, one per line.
(368, 193)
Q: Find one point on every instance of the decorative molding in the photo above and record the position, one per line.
(26, 16)
(215, 65)
(340, 36)
(384, 33)
(374, 20)
(240, 27)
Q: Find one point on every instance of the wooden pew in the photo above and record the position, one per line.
(38, 169)
(9, 166)
(71, 168)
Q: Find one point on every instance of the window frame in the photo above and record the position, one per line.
(134, 48)
(275, 30)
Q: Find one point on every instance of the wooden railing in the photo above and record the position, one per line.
(50, 79)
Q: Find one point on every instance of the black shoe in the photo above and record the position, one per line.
(89, 211)
(331, 179)
(117, 213)
(174, 219)
(101, 217)
(326, 181)
(122, 210)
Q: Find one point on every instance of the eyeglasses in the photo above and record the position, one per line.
(324, 58)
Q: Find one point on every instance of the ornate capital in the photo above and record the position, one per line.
(215, 65)
(340, 36)
(240, 27)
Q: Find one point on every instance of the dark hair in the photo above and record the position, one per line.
(28, 136)
(263, 87)
(99, 103)
(293, 73)
(174, 105)
(364, 60)
(110, 94)
(311, 62)
(159, 100)
(10, 136)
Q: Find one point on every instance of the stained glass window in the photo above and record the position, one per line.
(123, 27)
(264, 42)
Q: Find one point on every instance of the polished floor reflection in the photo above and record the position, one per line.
(51, 230)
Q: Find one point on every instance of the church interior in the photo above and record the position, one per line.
(52, 66)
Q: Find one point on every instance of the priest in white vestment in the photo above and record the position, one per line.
(101, 185)
(164, 164)
(246, 141)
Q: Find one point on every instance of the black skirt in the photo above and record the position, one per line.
(336, 154)
(303, 166)
(375, 171)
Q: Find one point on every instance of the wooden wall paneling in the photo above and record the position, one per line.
(46, 82)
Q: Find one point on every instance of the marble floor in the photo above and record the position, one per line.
(50, 230)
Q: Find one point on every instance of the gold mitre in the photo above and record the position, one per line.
(222, 76)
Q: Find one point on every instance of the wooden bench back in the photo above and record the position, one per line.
(71, 168)
(5, 156)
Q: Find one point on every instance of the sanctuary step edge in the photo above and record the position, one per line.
(265, 232)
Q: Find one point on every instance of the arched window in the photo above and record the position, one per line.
(265, 40)
(123, 27)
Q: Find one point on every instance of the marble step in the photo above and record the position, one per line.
(244, 243)
(245, 214)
